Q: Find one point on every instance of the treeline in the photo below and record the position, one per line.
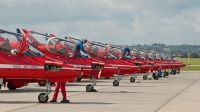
(176, 50)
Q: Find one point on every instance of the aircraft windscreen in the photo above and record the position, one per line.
(164, 57)
(95, 51)
(158, 56)
(31, 51)
(110, 56)
(117, 53)
(151, 56)
(61, 46)
(134, 54)
(142, 55)
(38, 38)
(10, 41)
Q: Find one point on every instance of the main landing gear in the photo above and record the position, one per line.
(145, 76)
(43, 97)
(11, 86)
(173, 72)
(154, 75)
(90, 87)
(116, 82)
(166, 74)
(132, 79)
(177, 71)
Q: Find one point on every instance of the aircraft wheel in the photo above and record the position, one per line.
(42, 98)
(174, 72)
(78, 79)
(145, 77)
(115, 83)
(177, 71)
(132, 79)
(42, 83)
(155, 77)
(165, 74)
(89, 88)
(11, 86)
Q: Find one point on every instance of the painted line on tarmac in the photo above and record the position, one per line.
(22, 108)
(177, 95)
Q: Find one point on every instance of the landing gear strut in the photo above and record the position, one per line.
(116, 82)
(90, 87)
(177, 71)
(145, 76)
(43, 97)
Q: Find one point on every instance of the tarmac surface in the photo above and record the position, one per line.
(178, 93)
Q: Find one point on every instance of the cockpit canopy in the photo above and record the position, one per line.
(151, 56)
(98, 51)
(143, 55)
(158, 56)
(134, 54)
(55, 45)
(13, 43)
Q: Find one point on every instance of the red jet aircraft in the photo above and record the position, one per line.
(21, 63)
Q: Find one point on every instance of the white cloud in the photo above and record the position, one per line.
(115, 21)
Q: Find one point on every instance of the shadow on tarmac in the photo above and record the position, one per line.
(85, 103)
(27, 102)
(29, 90)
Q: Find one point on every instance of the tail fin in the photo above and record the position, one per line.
(21, 31)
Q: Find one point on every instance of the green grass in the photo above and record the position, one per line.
(192, 61)
(166, 49)
(191, 68)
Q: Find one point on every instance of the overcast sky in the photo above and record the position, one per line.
(115, 21)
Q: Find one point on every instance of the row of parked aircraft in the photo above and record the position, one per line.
(29, 57)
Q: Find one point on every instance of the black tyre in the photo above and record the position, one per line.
(177, 71)
(166, 74)
(89, 88)
(145, 77)
(174, 72)
(42, 98)
(42, 83)
(11, 86)
(155, 76)
(115, 83)
(132, 79)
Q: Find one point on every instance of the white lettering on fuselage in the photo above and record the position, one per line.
(21, 66)
(16, 66)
